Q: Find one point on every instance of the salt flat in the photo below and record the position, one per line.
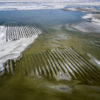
(46, 5)
(87, 27)
(12, 49)
(92, 19)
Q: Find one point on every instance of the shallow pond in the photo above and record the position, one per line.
(55, 34)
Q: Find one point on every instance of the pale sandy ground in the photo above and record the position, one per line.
(82, 9)
(50, 5)
(12, 49)
(87, 27)
(91, 27)
(22, 6)
(94, 17)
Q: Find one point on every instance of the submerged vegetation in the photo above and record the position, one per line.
(62, 63)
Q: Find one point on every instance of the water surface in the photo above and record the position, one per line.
(53, 24)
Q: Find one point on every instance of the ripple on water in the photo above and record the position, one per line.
(96, 43)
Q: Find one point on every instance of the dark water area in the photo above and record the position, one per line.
(40, 17)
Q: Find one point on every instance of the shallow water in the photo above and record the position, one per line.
(53, 24)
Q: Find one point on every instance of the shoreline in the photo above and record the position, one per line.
(6, 6)
(91, 25)
(12, 49)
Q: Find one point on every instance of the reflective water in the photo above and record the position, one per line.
(53, 23)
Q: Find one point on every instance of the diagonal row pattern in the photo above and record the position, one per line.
(59, 63)
(14, 32)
